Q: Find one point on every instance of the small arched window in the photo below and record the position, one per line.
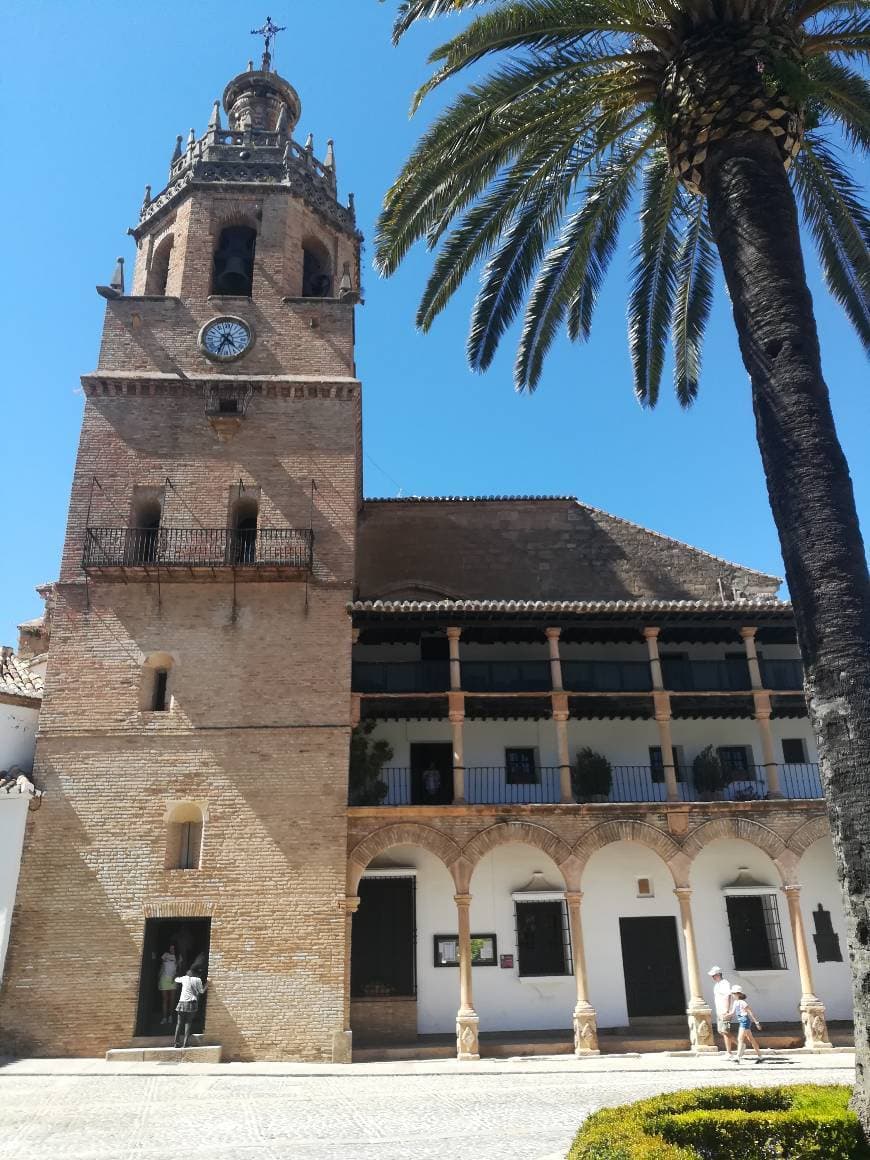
(184, 837)
(144, 531)
(155, 693)
(244, 532)
(158, 271)
(316, 270)
(234, 261)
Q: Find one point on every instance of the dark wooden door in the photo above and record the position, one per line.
(432, 774)
(384, 939)
(651, 963)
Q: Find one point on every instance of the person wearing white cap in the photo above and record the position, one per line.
(722, 1004)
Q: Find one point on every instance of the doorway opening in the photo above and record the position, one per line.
(652, 968)
(383, 959)
(189, 939)
(432, 774)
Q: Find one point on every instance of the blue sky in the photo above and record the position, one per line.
(93, 96)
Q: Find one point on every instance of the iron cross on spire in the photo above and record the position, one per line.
(268, 32)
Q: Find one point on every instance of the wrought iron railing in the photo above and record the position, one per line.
(401, 676)
(687, 676)
(801, 781)
(520, 676)
(782, 675)
(197, 548)
(499, 785)
(606, 676)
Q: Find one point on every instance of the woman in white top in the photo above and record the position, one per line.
(745, 1016)
(169, 967)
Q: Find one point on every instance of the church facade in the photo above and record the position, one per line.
(382, 769)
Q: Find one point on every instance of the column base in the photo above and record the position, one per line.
(701, 1029)
(815, 1025)
(342, 1047)
(467, 1026)
(585, 1031)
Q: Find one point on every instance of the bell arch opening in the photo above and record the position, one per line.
(316, 270)
(233, 267)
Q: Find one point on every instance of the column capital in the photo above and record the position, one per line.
(792, 888)
(683, 891)
(661, 705)
(552, 633)
(651, 632)
(349, 904)
(454, 633)
(748, 633)
(573, 897)
(462, 899)
(354, 635)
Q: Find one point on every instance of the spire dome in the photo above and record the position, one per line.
(256, 99)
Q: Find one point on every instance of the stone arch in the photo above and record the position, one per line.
(522, 833)
(808, 833)
(402, 834)
(158, 266)
(632, 831)
(743, 830)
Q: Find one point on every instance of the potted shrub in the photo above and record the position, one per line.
(366, 787)
(708, 776)
(591, 776)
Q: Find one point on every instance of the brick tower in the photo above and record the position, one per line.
(194, 736)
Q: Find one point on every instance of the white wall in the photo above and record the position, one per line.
(13, 815)
(773, 995)
(609, 887)
(818, 877)
(17, 736)
(17, 741)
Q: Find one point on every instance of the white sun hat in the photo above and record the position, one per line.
(714, 971)
(735, 990)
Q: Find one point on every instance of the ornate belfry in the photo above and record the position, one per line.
(201, 667)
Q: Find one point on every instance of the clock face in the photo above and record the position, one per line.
(225, 338)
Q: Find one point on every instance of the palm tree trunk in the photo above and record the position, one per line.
(754, 221)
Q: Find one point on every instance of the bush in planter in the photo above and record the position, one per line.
(366, 787)
(708, 775)
(591, 776)
(804, 1122)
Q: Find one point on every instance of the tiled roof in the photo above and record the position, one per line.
(17, 679)
(473, 499)
(398, 607)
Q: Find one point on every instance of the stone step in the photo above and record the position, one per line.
(164, 1054)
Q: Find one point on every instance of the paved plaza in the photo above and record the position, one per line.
(525, 1109)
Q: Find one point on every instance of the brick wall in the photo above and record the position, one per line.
(383, 1020)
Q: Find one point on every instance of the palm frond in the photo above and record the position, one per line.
(695, 266)
(849, 36)
(844, 96)
(583, 250)
(410, 11)
(654, 280)
(832, 206)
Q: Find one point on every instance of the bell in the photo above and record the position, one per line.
(235, 278)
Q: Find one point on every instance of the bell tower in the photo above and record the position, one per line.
(194, 734)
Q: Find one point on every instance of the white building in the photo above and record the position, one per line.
(21, 681)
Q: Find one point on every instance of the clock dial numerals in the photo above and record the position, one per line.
(226, 338)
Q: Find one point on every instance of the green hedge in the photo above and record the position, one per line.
(803, 1122)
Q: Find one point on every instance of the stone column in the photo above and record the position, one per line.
(456, 704)
(812, 1009)
(585, 1022)
(342, 1041)
(553, 635)
(467, 1021)
(662, 709)
(761, 713)
(699, 1014)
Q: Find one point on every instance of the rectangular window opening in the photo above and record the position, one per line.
(159, 701)
(543, 938)
(794, 751)
(756, 933)
(520, 766)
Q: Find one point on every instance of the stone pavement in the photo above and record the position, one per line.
(525, 1109)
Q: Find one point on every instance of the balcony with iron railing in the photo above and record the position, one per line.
(578, 676)
(630, 784)
(198, 553)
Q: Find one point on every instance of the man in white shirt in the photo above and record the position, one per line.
(192, 988)
(722, 1004)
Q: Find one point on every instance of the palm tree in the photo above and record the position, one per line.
(715, 114)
